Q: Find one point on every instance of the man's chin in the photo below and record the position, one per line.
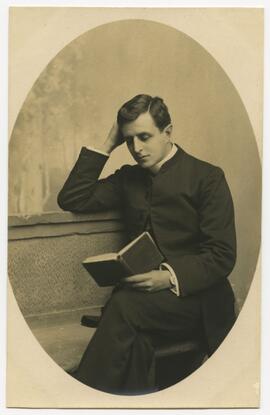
(145, 163)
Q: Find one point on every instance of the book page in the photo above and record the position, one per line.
(102, 257)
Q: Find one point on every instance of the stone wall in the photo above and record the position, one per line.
(45, 255)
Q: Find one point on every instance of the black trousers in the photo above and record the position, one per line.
(120, 356)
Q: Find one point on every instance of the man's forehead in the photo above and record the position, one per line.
(143, 123)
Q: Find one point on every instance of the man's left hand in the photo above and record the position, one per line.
(152, 281)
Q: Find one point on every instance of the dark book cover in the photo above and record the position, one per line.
(139, 256)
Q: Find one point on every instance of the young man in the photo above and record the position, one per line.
(186, 205)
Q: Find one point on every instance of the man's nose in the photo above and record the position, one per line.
(137, 144)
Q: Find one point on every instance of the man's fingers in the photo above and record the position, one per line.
(142, 284)
(135, 278)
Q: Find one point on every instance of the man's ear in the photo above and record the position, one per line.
(168, 130)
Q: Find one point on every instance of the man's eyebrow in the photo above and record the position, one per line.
(144, 133)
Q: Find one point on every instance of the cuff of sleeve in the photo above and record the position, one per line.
(98, 151)
(174, 281)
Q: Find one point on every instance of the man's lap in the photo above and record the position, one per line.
(160, 312)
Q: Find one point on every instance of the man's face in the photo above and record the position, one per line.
(146, 143)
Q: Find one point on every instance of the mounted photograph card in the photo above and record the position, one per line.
(126, 122)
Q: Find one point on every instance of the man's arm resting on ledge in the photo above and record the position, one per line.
(84, 192)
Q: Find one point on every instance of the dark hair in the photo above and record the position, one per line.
(140, 104)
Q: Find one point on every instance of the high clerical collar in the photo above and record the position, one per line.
(158, 165)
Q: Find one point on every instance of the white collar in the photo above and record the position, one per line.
(154, 169)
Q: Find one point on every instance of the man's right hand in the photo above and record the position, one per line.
(113, 140)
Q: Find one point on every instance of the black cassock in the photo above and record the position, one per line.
(189, 209)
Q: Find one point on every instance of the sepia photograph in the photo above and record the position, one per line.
(134, 207)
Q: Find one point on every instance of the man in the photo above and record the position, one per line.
(186, 205)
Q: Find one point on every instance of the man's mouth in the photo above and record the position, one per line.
(142, 157)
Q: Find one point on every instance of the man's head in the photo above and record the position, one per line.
(145, 124)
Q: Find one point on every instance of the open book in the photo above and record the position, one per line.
(139, 256)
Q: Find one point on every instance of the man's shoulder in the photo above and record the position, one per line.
(199, 167)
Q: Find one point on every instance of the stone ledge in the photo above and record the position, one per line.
(54, 224)
(61, 217)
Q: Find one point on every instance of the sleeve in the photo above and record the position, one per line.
(216, 254)
(174, 281)
(97, 151)
(83, 192)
